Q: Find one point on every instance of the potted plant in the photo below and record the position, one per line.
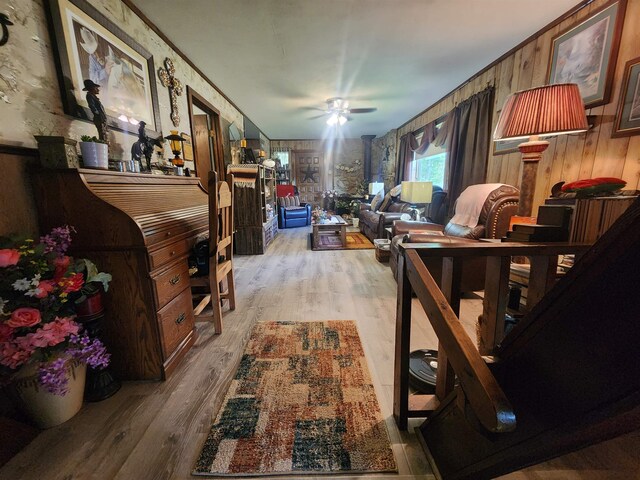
(95, 152)
(89, 303)
(43, 349)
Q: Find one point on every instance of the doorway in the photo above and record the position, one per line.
(309, 174)
(207, 137)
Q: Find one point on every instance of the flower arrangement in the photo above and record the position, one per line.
(329, 194)
(318, 215)
(38, 286)
(594, 186)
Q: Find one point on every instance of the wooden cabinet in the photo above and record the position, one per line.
(255, 214)
(140, 228)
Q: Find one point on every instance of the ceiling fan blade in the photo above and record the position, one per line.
(362, 110)
(317, 116)
(315, 109)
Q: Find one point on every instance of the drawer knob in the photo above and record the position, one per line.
(168, 234)
(172, 253)
(175, 280)
(181, 318)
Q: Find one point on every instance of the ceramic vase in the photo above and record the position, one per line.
(46, 409)
(95, 155)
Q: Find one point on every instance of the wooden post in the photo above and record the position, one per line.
(451, 280)
(403, 336)
(494, 305)
(542, 276)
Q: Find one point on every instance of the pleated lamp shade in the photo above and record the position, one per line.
(542, 111)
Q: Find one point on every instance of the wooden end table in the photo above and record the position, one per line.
(335, 224)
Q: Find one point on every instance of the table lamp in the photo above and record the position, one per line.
(531, 114)
(374, 188)
(417, 193)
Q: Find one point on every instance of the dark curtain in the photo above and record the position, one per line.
(467, 135)
(409, 145)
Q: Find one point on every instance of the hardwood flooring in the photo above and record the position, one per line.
(154, 430)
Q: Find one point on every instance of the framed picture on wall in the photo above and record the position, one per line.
(628, 115)
(586, 53)
(88, 46)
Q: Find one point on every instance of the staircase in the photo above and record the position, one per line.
(567, 376)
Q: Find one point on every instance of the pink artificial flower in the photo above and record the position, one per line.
(72, 283)
(12, 356)
(45, 287)
(24, 317)
(9, 257)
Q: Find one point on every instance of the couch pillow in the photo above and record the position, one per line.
(396, 191)
(377, 201)
(386, 202)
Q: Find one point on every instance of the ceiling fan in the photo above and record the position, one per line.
(339, 111)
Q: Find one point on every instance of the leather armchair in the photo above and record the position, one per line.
(493, 222)
(291, 213)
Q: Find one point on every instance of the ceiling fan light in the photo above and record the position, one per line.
(333, 119)
(342, 119)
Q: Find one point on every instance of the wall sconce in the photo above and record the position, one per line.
(176, 147)
(243, 143)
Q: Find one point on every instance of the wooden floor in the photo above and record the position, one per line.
(156, 430)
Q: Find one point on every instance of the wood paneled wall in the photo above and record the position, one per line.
(569, 157)
(16, 193)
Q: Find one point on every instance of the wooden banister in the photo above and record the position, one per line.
(480, 387)
(456, 352)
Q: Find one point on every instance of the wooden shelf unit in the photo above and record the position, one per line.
(283, 176)
(255, 214)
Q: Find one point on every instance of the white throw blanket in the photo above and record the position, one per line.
(470, 202)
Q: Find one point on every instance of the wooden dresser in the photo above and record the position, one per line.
(140, 228)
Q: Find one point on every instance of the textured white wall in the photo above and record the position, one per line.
(30, 102)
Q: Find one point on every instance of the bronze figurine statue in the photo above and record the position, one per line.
(95, 105)
(144, 146)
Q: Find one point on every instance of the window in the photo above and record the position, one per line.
(283, 157)
(430, 166)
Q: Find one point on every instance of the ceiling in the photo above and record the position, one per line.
(279, 60)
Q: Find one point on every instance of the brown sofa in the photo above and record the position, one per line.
(493, 222)
(373, 224)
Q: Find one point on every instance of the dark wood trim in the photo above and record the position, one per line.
(154, 27)
(532, 37)
(204, 104)
(17, 150)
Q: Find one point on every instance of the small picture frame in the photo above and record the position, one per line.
(187, 147)
(628, 115)
(586, 53)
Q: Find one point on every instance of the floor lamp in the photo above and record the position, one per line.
(539, 112)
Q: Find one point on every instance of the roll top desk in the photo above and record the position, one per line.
(139, 228)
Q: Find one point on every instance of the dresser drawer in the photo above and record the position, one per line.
(176, 321)
(159, 257)
(171, 282)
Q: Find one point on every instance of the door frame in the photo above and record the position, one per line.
(194, 98)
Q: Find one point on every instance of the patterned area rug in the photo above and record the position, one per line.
(355, 241)
(301, 403)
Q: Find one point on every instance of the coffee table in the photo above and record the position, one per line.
(333, 226)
